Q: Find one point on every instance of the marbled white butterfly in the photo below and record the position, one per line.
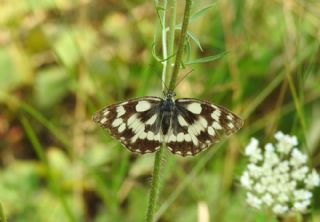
(187, 126)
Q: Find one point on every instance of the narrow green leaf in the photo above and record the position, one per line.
(169, 57)
(192, 36)
(159, 16)
(38, 148)
(187, 52)
(205, 59)
(154, 53)
(196, 15)
(200, 13)
(159, 8)
(195, 39)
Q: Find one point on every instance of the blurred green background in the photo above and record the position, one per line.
(62, 60)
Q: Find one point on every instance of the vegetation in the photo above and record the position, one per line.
(60, 61)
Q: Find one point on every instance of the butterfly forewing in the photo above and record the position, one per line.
(135, 123)
(197, 124)
(187, 126)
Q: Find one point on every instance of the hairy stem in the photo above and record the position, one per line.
(159, 156)
(155, 185)
(156, 176)
(181, 41)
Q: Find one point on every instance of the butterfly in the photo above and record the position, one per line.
(187, 126)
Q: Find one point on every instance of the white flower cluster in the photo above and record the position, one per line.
(277, 176)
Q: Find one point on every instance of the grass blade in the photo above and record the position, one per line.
(205, 59)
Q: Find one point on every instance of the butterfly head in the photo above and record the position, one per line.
(168, 103)
(169, 95)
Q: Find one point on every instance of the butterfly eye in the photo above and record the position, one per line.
(169, 94)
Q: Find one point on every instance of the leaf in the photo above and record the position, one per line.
(67, 49)
(192, 36)
(15, 66)
(154, 53)
(187, 52)
(158, 10)
(205, 59)
(195, 39)
(200, 13)
(194, 16)
(51, 85)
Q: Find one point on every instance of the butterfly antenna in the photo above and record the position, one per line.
(183, 77)
(165, 86)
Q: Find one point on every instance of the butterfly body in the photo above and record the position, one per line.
(166, 111)
(186, 126)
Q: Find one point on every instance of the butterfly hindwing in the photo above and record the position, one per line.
(134, 122)
(197, 124)
(187, 126)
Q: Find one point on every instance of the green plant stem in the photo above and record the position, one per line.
(155, 185)
(187, 180)
(164, 44)
(172, 5)
(181, 41)
(2, 216)
(159, 156)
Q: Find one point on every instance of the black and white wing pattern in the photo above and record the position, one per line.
(187, 126)
(197, 124)
(134, 123)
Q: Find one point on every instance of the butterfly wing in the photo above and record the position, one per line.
(135, 123)
(197, 124)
